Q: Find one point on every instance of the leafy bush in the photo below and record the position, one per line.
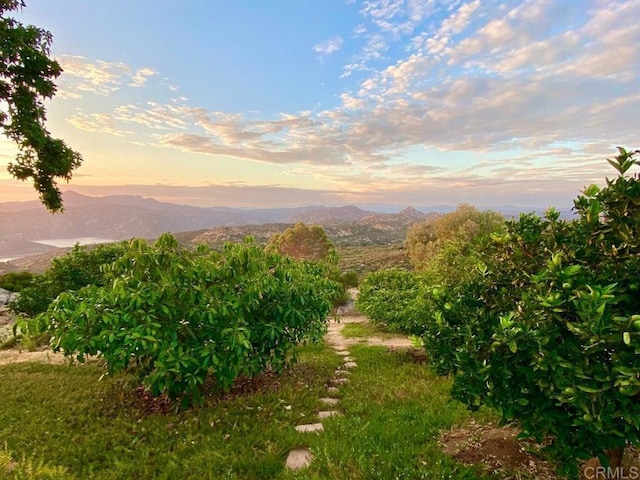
(179, 316)
(15, 281)
(303, 242)
(393, 297)
(78, 268)
(466, 224)
(547, 331)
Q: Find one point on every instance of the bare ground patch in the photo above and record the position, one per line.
(40, 356)
(335, 338)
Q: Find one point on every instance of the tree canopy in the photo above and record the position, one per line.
(466, 223)
(303, 242)
(26, 80)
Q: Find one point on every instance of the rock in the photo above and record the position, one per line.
(348, 309)
(6, 296)
(327, 413)
(330, 401)
(350, 365)
(310, 427)
(299, 458)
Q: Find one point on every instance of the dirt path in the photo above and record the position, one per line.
(335, 339)
(41, 356)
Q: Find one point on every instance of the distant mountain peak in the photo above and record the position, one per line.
(411, 212)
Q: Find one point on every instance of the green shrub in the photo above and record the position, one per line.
(179, 316)
(15, 281)
(393, 297)
(78, 268)
(548, 331)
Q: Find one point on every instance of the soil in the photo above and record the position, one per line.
(336, 340)
(497, 449)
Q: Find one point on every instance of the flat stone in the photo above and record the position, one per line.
(327, 413)
(348, 359)
(299, 458)
(343, 372)
(340, 381)
(330, 401)
(344, 353)
(310, 427)
(333, 389)
(350, 365)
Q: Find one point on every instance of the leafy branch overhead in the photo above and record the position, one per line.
(26, 80)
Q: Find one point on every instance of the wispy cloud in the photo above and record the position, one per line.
(329, 46)
(486, 78)
(82, 76)
(140, 77)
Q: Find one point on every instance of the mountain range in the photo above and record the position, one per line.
(119, 217)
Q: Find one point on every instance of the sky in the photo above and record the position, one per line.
(332, 102)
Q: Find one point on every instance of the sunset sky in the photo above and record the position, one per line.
(298, 102)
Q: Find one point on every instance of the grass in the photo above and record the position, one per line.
(365, 259)
(356, 330)
(63, 419)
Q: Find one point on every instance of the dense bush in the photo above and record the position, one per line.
(466, 224)
(78, 268)
(303, 242)
(179, 317)
(15, 281)
(547, 329)
(393, 297)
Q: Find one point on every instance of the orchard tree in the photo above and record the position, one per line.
(303, 242)
(466, 224)
(26, 80)
(547, 330)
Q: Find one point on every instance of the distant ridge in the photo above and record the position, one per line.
(120, 217)
(411, 212)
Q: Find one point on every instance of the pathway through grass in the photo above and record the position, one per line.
(393, 409)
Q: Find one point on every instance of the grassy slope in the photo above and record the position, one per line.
(393, 408)
(372, 258)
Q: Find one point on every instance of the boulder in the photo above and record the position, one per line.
(6, 296)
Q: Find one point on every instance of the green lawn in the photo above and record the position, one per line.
(64, 417)
(366, 329)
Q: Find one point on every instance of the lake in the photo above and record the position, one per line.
(70, 242)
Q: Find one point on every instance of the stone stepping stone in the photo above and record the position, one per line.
(333, 389)
(327, 413)
(350, 365)
(348, 359)
(330, 401)
(299, 458)
(339, 381)
(310, 427)
(344, 353)
(342, 372)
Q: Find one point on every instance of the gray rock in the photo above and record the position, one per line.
(6, 297)
(327, 413)
(310, 427)
(299, 458)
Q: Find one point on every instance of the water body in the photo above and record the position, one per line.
(8, 259)
(70, 242)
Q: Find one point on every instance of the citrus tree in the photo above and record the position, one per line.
(547, 332)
